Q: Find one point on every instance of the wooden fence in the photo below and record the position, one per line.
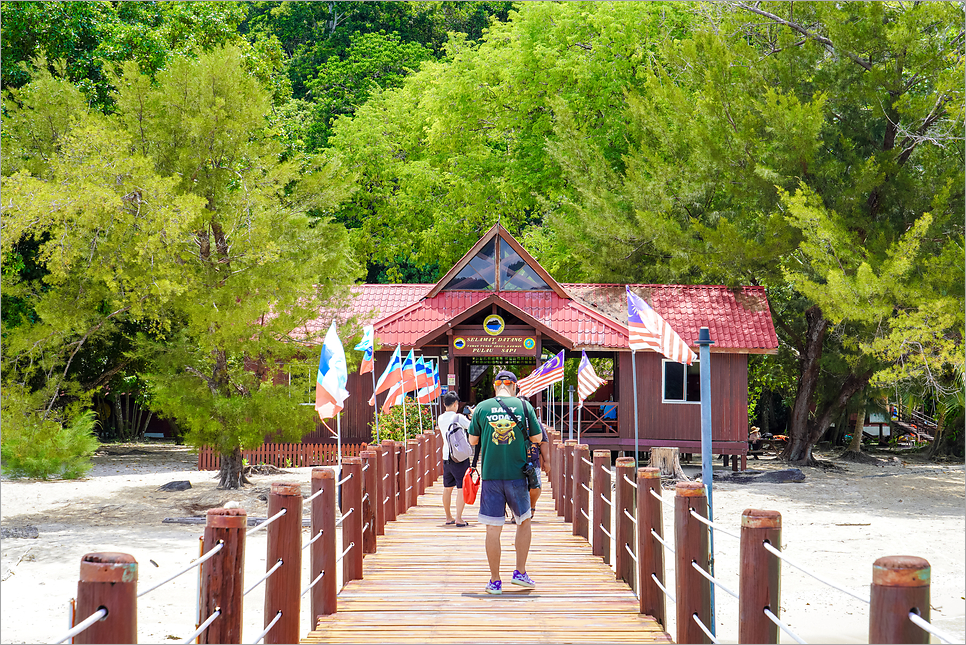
(285, 455)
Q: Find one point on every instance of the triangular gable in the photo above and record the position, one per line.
(497, 262)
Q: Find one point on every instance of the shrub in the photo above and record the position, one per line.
(391, 423)
(32, 446)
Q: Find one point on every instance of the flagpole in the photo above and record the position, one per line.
(634, 375)
(338, 437)
(419, 410)
(375, 408)
(403, 388)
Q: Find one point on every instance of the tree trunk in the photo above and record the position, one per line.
(232, 473)
(799, 449)
(121, 430)
(669, 462)
(854, 451)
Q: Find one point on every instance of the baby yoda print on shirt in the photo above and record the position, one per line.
(502, 431)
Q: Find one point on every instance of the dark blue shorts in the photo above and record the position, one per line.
(498, 494)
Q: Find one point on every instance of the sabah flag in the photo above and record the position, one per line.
(409, 376)
(390, 376)
(424, 375)
(366, 345)
(647, 330)
(330, 392)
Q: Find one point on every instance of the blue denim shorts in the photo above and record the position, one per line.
(498, 494)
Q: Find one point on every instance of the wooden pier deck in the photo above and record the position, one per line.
(426, 584)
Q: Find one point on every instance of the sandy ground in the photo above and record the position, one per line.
(836, 523)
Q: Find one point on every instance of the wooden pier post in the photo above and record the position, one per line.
(352, 523)
(322, 553)
(402, 496)
(412, 472)
(282, 592)
(650, 552)
(557, 475)
(601, 515)
(625, 503)
(692, 590)
(581, 496)
(390, 476)
(421, 462)
(222, 576)
(759, 576)
(568, 480)
(108, 580)
(370, 470)
(900, 584)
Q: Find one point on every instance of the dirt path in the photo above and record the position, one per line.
(836, 522)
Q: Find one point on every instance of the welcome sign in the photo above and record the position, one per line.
(495, 346)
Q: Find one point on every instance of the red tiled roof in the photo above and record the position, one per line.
(738, 319)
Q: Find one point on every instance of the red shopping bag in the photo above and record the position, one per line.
(471, 484)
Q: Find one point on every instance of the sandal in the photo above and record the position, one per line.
(462, 524)
(450, 522)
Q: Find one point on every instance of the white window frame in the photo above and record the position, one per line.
(664, 363)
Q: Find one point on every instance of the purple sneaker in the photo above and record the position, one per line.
(494, 587)
(523, 580)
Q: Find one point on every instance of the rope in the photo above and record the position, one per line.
(265, 524)
(661, 587)
(773, 618)
(312, 584)
(264, 578)
(409, 489)
(344, 479)
(365, 497)
(269, 628)
(365, 468)
(587, 461)
(313, 495)
(204, 626)
(385, 501)
(659, 539)
(366, 527)
(584, 513)
(605, 532)
(628, 480)
(342, 555)
(629, 552)
(309, 543)
(605, 500)
(707, 632)
(778, 554)
(661, 499)
(410, 469)
(927, 626)
(716, 527)
(607, 470)
(218, 547)
(711, 578)
(342, 519)
(385, 477)
(585, 487)
(629, 516)
(84, 624)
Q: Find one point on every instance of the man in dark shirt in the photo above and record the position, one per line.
(503, 445)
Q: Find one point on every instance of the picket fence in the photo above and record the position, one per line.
(285, 455)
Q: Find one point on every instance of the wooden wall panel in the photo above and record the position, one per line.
(682, 421)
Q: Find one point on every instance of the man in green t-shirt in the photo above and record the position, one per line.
(503, 444)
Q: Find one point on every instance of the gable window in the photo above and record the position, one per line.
(479, 274)
(516, 274)
(682, 383)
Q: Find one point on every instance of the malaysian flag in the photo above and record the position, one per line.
(587, 379)
(647, 330)
(543, 377)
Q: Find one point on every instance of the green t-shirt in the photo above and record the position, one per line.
(503, 443)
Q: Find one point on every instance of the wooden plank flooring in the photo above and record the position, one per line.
(426, 584)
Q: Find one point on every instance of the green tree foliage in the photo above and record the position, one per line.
(176, 217)
(463, 142)
(39, 447)
(812, 153)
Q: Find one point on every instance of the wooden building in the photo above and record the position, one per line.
(497, 307)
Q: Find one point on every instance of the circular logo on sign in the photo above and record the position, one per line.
(493, 325)
(459, 343)
(529, 343)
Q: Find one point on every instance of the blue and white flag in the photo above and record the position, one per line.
(330, 392)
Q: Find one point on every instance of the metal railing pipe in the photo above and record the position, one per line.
(108, 580)
(650, 554)
(601, 512)
(222, 576)
(900, 585)
(324, 595)
(759, 576)
(693, 592)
